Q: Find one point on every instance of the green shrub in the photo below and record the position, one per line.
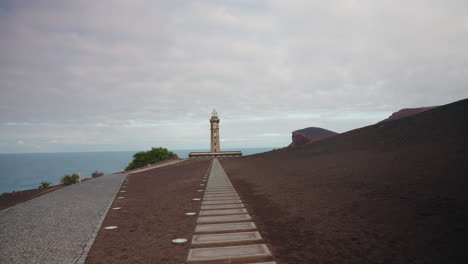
(97, 174)
(70, 179)
(45, 184)
(143, 158)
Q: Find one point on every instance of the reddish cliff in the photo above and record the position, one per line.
(310, 134)
(407, 112)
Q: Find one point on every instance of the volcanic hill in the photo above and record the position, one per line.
(393, 192)
(405, 112)
(311, 134)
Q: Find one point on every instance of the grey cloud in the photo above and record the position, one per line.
(157, 68)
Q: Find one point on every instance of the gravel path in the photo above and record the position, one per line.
(58, 227)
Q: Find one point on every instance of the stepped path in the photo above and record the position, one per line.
(58, 227)
(225, 232)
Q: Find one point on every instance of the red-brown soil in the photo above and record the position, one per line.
(394, 192)
(152, 214)
(162, 162)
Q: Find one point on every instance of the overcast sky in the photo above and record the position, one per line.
(128, 75)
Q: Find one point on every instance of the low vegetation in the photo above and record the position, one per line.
(97, 174)
(70, 179)
(45, 184)
(143, 158)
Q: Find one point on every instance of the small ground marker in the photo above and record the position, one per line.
(179, 240)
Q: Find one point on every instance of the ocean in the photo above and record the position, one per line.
(26, 170)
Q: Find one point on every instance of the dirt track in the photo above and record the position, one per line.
(152, 214)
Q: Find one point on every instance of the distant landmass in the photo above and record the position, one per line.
(405, 112)
(307, 135)
(311, 134)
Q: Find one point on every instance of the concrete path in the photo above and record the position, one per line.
(58, 227)
(225, 232)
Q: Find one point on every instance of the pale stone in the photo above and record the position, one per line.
(223, 212)
(222, 198)
(230, 196)
(221, 202)
(225, 238)
(220, 190)
(220, 194)
(221, 206)
(242, 226)
(228, 253)
(223, 218)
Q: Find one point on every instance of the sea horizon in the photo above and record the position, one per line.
(23, 171)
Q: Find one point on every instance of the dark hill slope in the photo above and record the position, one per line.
(311, 134)
(395, 192)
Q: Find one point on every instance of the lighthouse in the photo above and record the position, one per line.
(215, 147)
(214, 123)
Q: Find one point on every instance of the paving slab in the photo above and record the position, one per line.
(228, 238)
(220, 190)
(223, 212)
(222, 198)
(228, 253)
(214, 194)
(222, 202)
(221, 206)
(223, 218)
(242, 226)
(220, 193)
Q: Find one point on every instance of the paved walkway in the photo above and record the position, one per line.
(225, 231)
(58, 227)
